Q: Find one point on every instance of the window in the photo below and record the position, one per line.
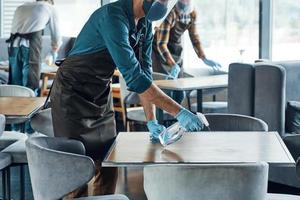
(286, 30)
(73, 14)
(8, 8)
(228, 32)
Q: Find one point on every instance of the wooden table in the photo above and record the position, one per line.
(189, 84)
(20, 108)
(135, 149)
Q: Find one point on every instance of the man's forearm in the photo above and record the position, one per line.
(157, 97)
(149, 109)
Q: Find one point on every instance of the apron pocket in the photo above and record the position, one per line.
(78, 107)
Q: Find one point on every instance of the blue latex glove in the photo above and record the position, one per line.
(211, 63)
(155, 129)
(54, 56)
(174, 72)
(189, 121)
(51, 58)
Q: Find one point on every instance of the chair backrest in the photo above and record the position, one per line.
(292, 143)
(269, 95)
(54, 164)
(235, 122)
(262, 90)
(207, 181)
(15, 91)
(241, 89)
(2, 124)
(42, 122)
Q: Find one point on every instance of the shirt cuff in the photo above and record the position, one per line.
(140, 85)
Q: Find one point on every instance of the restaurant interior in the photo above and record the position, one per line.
(205, 105)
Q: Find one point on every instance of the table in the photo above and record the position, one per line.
(135, 149)
(188, 84)
(20, 109)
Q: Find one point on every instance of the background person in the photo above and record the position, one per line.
(25, 42)
(167, 43)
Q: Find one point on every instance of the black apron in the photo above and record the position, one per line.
(81, 99)
(174, 46)
(35, 48)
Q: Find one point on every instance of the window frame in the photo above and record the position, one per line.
(265, 26)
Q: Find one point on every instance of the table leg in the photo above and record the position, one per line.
(23, 127)
(159, 115)
(22, 182)
(199, 101)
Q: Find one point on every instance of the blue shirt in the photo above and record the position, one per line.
(112, 27)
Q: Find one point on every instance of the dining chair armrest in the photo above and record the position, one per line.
(293, 144)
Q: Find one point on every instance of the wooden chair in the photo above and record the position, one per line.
(46, 76)
(116, 94)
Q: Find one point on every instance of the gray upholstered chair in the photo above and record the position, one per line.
(58, 166)
(15, 91)
(234, 122)
(247, 181)
(16, 148)
(41, 122)
(262, 90)
(5, 161)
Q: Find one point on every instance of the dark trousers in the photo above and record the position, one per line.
(104, 183)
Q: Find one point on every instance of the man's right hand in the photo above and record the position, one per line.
(189, 121)
(155, 129)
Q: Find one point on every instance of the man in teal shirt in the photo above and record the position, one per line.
(116, 35)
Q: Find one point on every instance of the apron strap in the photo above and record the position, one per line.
(46, 103)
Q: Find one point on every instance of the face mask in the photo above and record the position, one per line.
(156, 10)
(182, 7)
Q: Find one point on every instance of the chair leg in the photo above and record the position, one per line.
(6, 184)
(7, 172)
(128, 126)
(3, 185)
(22, 182)
(125, 176)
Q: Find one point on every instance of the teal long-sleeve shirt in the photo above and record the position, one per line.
(113, 27)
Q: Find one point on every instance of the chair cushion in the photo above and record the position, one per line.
(5, 160)
(10, 137)
(292, 122)
(105, 197)
(282, 197)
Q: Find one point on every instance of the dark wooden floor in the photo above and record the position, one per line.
(132, 185)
